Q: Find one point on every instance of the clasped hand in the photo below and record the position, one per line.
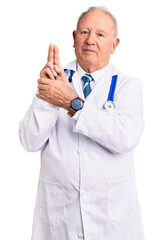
(53, 85)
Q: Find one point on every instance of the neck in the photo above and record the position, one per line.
(91, 68)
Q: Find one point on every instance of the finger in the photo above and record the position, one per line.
(50, 53)
(44, 81)
(56, 55)
(46, 73)
(49, 73)
(59, 71)
(51, 66)
(42, 87)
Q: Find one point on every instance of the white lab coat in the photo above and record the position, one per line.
(87, 187)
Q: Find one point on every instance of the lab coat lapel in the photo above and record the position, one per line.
(75, 83)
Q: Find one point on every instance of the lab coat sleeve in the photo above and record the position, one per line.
(119, 130)
(36, 127)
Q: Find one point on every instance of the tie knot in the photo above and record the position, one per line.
(87, 78)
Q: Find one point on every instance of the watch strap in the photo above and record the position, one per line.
(71, 112)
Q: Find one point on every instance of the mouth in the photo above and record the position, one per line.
(88, 51)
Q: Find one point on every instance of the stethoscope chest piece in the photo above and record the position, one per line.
(109, 105)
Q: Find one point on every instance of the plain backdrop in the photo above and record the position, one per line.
(26, 29)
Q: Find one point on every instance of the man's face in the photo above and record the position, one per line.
(94, 41)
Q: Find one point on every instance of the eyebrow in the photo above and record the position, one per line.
(98, 30)
(101, 31)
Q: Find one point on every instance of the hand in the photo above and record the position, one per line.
(52, 60)
(53, 85)
(56, 92)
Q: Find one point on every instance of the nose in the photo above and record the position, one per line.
(90, 39)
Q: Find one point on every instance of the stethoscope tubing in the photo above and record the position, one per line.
(109, 104)
(112, 88)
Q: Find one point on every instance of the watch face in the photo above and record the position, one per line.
(77, 104)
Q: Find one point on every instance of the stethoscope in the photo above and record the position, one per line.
(109, 104)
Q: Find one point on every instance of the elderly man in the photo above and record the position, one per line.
(87, 185)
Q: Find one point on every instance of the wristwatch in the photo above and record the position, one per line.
(76, 104)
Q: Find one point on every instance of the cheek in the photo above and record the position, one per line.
(106, 48)
(79, 41)
(78, 46)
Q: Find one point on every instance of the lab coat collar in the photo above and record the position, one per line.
(96, 75)
(73, 66)
(108, 72)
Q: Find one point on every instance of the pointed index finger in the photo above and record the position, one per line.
(50, 53)
(56, 55)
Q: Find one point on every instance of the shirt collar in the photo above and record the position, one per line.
(96, 75)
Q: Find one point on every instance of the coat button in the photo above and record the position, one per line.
(80, 235)
(82, 193)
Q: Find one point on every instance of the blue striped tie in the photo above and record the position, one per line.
(87, 78)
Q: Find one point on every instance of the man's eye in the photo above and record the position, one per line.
(84, 32)
(100, 34)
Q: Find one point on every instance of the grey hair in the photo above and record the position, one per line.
(103, 9)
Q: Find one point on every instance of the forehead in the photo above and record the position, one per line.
(97, 19)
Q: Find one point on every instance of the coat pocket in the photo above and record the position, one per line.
(51, 203)
(121, 201)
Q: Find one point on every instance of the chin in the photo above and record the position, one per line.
(88, 60)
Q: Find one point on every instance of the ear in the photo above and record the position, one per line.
(74, 37)
(115, 44)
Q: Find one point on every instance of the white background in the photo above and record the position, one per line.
(27, 28)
